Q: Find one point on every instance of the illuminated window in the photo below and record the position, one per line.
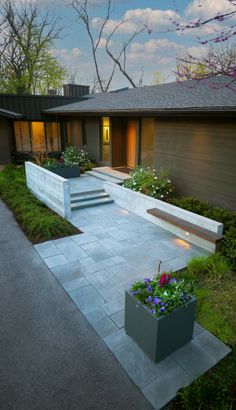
(22, 136)
(106, 139)
(37, 136)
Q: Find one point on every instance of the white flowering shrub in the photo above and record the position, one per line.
(75, 156)
(149, 181)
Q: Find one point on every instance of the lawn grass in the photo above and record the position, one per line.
(215, 289)
(36, 220)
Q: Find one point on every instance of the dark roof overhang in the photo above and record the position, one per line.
(10, 114)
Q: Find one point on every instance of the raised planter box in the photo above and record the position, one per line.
(66, 172)
(158, 337)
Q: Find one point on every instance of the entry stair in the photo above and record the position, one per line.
(108, 174)
(87, 199)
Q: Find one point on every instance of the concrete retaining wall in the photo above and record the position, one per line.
(50, 188)
(139, 203)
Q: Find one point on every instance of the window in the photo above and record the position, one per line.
(37, 136)
(53, 140)
(147, 143)
(106, 139)
(22, 136)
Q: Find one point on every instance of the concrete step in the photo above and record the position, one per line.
(89, 197)
(88, 204)
(83, 193)
(104, 177)
(110, 172)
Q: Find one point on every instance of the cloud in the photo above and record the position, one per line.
(102, 42)
(69, 58)
(208, 8)
(136, 18)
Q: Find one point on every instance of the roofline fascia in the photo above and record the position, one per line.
(140, 113)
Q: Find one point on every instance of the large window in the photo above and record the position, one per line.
(106, 139)
(37, 136)
(147, 144)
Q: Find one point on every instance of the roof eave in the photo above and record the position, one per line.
(141, 112)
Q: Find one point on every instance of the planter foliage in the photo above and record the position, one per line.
(159, 315)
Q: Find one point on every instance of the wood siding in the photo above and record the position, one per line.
(201, 158)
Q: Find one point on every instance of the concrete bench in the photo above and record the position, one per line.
(187, 226)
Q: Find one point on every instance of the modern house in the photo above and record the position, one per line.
(188, 128)
(24, 128)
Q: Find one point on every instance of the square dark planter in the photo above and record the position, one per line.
(66, 172)
(158, 336)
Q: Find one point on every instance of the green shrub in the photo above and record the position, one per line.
(228, 247)
(191, 204)
(214, 266)
(37, 221)
(50, 163)
(75, 156)
(155, 183)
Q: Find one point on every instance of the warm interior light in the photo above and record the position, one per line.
(106, 130)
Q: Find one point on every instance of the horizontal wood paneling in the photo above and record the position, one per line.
(201, 158)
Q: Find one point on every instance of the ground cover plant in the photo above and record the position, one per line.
(36, 220)
(149, 181)
(214, 285)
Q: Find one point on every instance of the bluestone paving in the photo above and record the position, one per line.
(119, 318)
(117, 340)
(120, 248)
(163, 389)
(51, 358)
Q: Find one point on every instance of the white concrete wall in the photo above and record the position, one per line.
(139, 203)
(50, 188)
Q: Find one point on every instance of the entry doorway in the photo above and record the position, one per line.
(124, 143)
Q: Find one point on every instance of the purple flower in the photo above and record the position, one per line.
(162, 309)
(162, 303)
(149, 299)
(153, 311)
(147, 280)
(173, 280)
(149, 288)
(156, 301)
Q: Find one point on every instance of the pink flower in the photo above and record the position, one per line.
(164, 279)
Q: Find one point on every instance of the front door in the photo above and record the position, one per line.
(119, 142)
(124, 143)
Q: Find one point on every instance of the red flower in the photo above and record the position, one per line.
(164, 279)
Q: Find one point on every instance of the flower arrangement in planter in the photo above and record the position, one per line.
(149, 181)
(72, 161)
(159, 314)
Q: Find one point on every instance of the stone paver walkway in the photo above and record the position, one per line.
(117, 248)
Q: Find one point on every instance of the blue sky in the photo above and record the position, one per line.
(149, 53)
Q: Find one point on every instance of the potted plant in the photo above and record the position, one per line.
(159, 314)
(72, 161)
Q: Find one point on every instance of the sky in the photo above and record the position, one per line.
(151, 51)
